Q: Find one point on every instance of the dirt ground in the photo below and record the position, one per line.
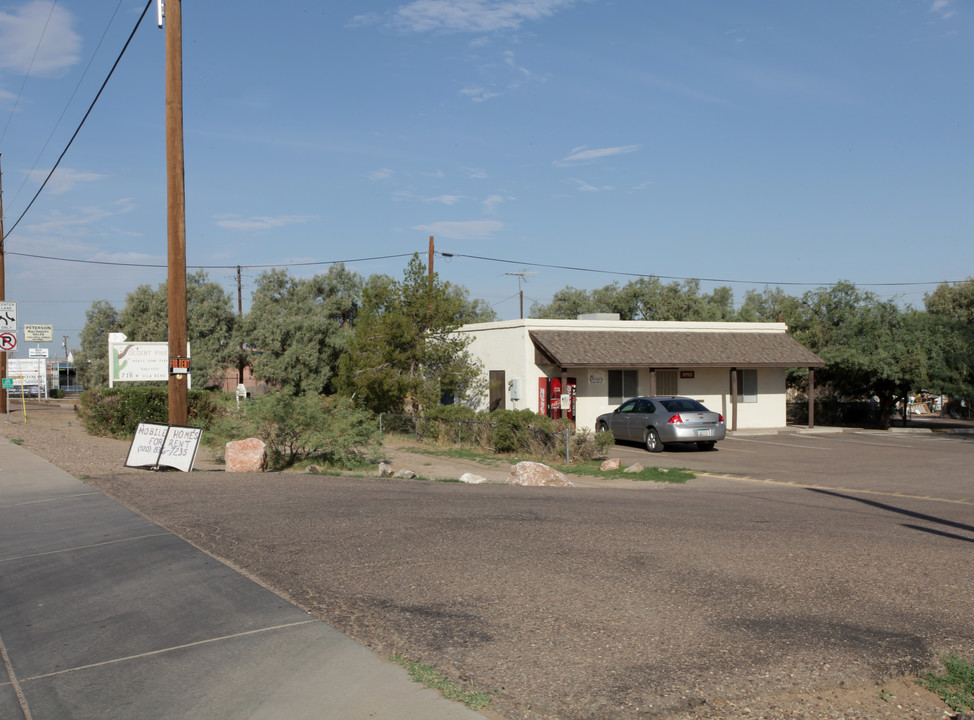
(53, 432)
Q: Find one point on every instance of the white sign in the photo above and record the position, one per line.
(38, 333)
(8, 316)
(28, 373)
(156, 444)
(37, 352)
(8, 341)
(138, 361)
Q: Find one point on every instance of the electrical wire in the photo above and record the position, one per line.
(675, 277)
(214, 267)
(30, 67)
(81, 124)
(84, 74)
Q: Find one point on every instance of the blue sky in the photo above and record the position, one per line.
(745, 143)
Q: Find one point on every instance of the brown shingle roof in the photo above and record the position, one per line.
(647, 348)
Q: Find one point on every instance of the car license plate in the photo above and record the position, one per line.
(704, 433)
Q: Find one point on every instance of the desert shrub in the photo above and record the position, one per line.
(115, 412)
(454, 424)
(329, 429)
(588, 445)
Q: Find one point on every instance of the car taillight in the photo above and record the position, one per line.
(720, 418)
(675, 420)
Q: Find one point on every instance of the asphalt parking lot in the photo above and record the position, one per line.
(921, 463)
(799, 561)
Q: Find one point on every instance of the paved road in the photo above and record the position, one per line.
(852, 565)
(924, 464)
(105, 615)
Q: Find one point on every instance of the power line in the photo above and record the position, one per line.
(675, 277)
(68, 103)
(213, 267)
(30, 67)
(81, 124)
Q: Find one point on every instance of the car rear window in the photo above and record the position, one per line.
(682, 405)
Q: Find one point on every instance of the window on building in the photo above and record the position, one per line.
(623, 384)
(666, 382)
(747, 386)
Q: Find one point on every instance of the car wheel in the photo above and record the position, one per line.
(603, 427)
(705, 445)
(653, 443)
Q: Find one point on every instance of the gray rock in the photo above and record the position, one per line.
(534, 474)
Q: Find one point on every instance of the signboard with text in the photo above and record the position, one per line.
(38, 333)
(139, 362)
(28, 372)
(156, 445)
(8, 316)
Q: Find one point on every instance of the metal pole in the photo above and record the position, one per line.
(178, 395)
(3, 355)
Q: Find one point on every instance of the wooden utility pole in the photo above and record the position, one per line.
(178, 394)
(3, 296)
(240, 360)
(430, 259)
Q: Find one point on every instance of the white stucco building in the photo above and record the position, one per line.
(596, 362)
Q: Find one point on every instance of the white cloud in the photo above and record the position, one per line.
(468, 230)
(77, 222)
(584, 155)
(260, 222)
(476, 173)
(39, 36)
(943, 8)
(445, 199)
(476, 16)
(478, 94)
(381, 174)
(63, 179)
(491, 203)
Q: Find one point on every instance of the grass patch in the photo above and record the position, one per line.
(590, 467)
(432, 678)
(651, 474)
(955, 686)
(459, 454)
(17, 441)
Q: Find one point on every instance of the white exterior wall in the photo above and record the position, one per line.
(507, 346)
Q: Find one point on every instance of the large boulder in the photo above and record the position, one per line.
(610, 464)
(248, 455)
(534, 474)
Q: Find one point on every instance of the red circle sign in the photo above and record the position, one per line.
(8, 341)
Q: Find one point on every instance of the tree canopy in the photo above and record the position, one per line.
(297, 329)
(405, 353)
(209, 328)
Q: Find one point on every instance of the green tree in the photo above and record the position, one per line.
(471, 311)
(405, 353)
(768, 306)
(210, 323)
(92, 361)
(297, 329)
(872, 348)
(645, 298)
(209, 327)
(951, 319)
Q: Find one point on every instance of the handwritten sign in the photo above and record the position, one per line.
(156, 445)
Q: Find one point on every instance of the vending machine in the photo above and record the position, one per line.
(553, 398)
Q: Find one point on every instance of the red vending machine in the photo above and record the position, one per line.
(550, 394)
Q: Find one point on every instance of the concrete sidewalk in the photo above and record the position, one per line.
(106, 615)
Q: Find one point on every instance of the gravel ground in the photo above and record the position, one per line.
(359, 571)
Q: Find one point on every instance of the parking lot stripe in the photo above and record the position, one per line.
(768, 442)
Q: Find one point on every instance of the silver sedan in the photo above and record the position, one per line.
(655, 421)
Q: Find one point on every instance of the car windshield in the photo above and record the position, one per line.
(682, 405)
